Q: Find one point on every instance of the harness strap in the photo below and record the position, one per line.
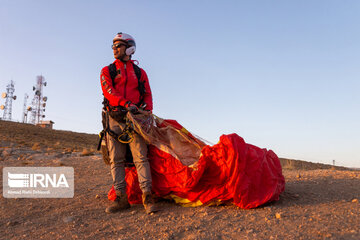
(126, 135)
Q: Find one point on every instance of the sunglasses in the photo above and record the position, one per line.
(118, 45)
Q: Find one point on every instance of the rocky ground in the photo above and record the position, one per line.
(317, 203)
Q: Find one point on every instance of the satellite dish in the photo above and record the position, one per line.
(44, 104)
(29, 108)
(4, 95)
(33, 88)
(14, 97)
(2, 107)
(43, 116)
(45, 83)
(37, 93)
(44, 109)
(44, 99)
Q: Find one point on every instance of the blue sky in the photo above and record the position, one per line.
(284, 75)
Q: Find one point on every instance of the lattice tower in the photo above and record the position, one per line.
(25, 111)
(9, 97)
(38, 103)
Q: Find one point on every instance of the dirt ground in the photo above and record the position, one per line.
(317, 204)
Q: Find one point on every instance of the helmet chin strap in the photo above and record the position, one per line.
(123, 58)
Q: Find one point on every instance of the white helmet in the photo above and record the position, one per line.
(129, 40)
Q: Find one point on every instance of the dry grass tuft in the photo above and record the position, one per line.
(87, 152)
(36, 146)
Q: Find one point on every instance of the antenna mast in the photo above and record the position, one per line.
(9, 96)
(24, 108)
(38, 103)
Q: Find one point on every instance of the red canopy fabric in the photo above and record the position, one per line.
(229, 171)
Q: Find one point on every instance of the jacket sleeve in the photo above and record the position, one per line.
(114, 98)
(147, 96)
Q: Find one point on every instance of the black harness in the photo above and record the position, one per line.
(119, 112)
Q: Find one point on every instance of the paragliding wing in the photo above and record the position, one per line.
(184, 168)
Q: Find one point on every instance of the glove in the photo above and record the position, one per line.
(132, 108)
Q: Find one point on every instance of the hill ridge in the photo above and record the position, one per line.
(69, 141)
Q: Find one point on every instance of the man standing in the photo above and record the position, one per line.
(126, 88)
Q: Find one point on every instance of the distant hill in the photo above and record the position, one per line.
(300, 164)
(28, 135)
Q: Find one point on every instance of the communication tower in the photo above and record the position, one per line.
(25, 111)
(9, 96)
(38, 103)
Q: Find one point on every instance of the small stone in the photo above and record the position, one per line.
(278, 215)
(59, 155)
(60, 162)
(6, 153)
(355, 200)
(68, 219)
(12, 223)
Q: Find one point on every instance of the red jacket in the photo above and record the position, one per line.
(126, 85)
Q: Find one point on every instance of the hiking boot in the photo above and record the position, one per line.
(120, 203)
(149, 203)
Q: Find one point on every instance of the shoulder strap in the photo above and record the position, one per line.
(113, 73)
(141, 84)
(137, 71)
